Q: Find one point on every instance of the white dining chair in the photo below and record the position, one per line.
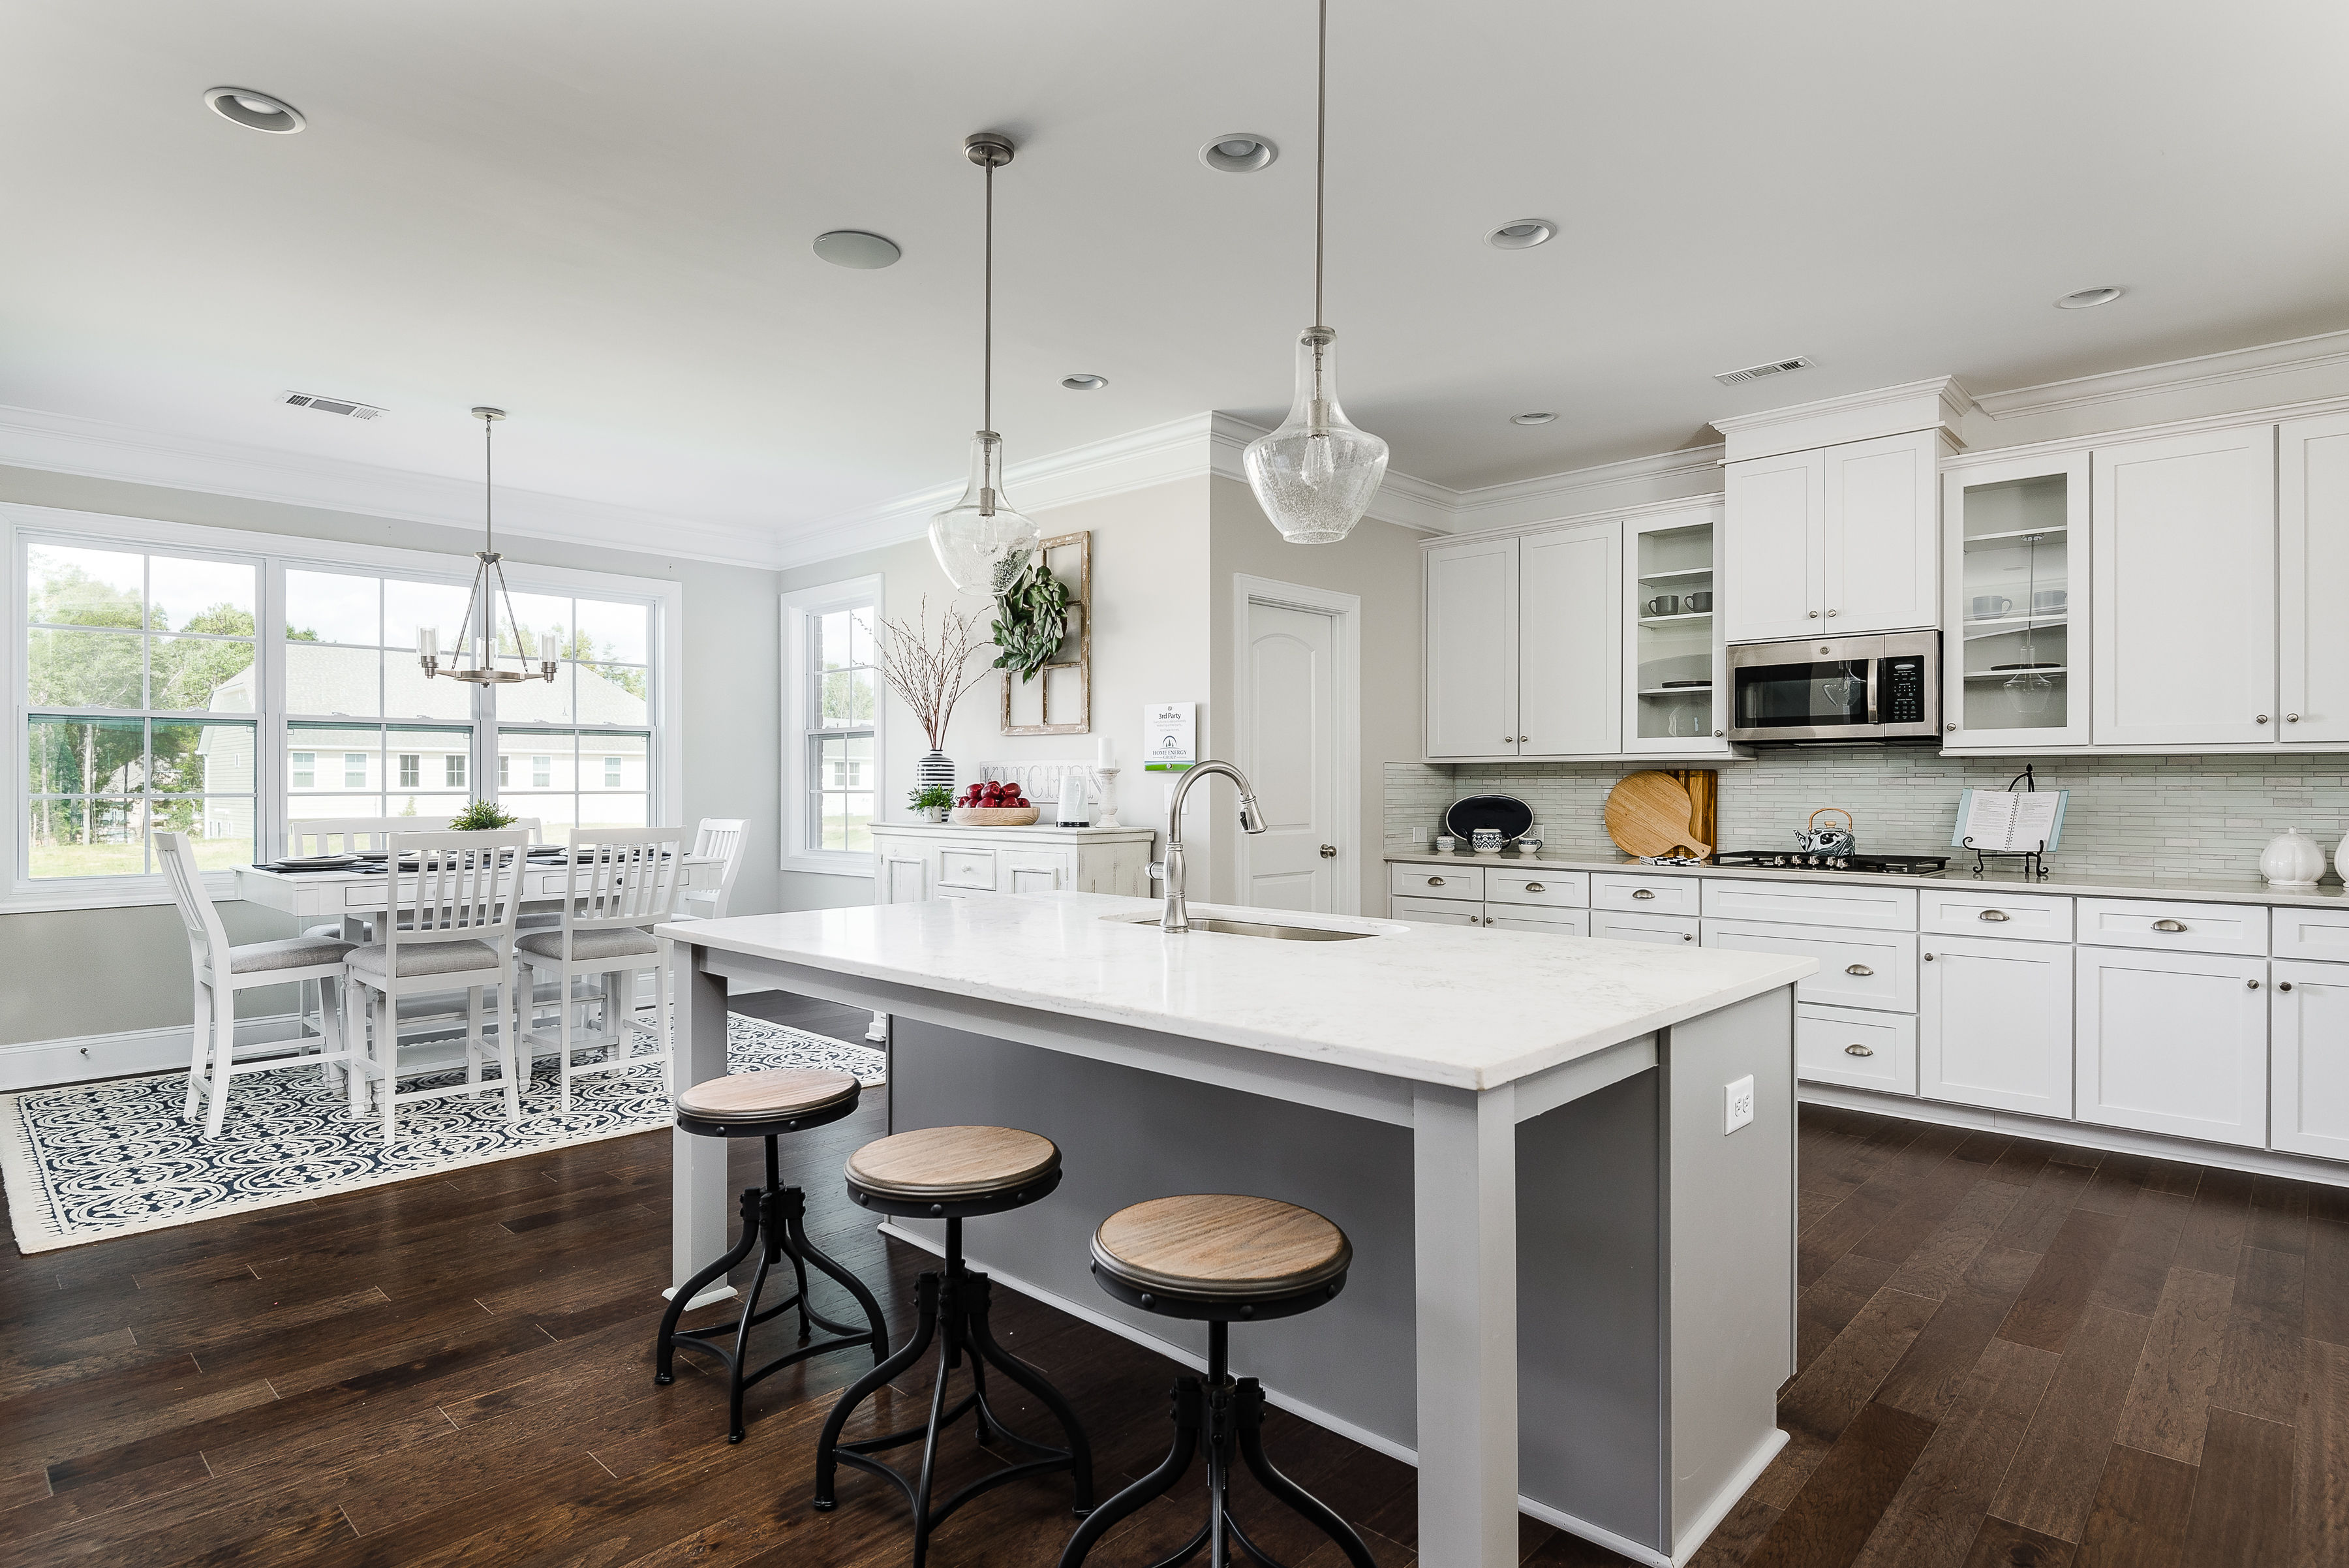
(451, 928)
(222, 969)
(716, 838)
(622, 882)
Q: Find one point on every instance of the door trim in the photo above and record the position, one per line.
(1345, 612)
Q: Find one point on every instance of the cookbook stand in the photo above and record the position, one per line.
(2035, 861)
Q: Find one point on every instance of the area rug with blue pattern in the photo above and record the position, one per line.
(84, 1162)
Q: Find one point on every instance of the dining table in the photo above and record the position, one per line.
(352, 894)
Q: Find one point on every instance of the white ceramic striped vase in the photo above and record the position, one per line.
(935, 768)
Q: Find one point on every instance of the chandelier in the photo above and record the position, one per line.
(476, 650)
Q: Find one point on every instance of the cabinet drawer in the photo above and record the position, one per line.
(1989, 912)
(1437, 882)
(1818, 904)
(1669, 931)
(1436, 911)
(1034, 873)
(1644, 895)
(1857, 969)
(966, 868)
(2240, 929)
(1558, 890)
(1540, 921)
(1847, 1045)
(2311, 934)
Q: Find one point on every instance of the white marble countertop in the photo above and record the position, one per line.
(2075, 879)
(1437, 1004)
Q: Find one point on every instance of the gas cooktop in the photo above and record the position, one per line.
(1796, 860)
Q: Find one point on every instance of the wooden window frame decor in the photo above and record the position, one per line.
(1069, 557)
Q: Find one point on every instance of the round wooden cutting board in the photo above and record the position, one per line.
(1648, 813)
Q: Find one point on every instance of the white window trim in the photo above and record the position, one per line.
(665, 705)
(800, 607)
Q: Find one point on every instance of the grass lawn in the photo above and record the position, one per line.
(130, 859)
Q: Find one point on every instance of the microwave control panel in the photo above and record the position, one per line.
(1904, 689)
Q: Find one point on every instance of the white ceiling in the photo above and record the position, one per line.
(599, 216)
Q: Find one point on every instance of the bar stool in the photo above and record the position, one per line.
(766, 1106)
(1220, 1258)
(952, 1174)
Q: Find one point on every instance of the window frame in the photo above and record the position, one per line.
(801, 607)
(274, 555)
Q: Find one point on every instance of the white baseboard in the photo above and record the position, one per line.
(2052, 1129)
(38, 1063)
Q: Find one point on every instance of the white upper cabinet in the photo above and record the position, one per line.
(1570, 641)
(2014, 640)
(2312, 564)
(1773, 528)
(2183, 558)
(1471, 648)
(1838, 541)
(1879, 555)
(1675, 667)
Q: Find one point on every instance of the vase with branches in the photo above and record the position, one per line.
(930, 675)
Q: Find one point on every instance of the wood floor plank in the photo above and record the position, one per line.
(2057, 1292)
(2139, 1520)
(2213, 1236)
(1828, 1307)
(2326, 1282)
(1933, 1520)
(1999, 1544)
(1927, 1380)
(2320, 1463)
(2139, 1265)
(2243, 1503)
(1818, 1406)
(1935, 1265)
(1828, 1522)
(2032, 1224)
(2279, 1216)
(2171, 1393)
(2260, 1361)
(2052, 1483)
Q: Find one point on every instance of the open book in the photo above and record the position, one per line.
(2009, 820)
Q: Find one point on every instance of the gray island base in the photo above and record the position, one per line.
(1572, 1292)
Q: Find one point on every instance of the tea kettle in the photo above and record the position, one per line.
(1829, 840)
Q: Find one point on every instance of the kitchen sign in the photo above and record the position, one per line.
(1170, 736)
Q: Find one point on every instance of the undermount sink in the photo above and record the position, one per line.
(1259, 929)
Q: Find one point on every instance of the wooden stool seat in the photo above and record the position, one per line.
(946, 1164)
(776, 1094)
(1217, 1246)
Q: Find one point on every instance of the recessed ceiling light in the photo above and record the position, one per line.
(1241, 152)
(1522, 235)
(1531, 419)
(854, 247)
(2087, 297)
(1086, 383)
(254, 110)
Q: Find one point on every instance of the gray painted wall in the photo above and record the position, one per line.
(98, 971)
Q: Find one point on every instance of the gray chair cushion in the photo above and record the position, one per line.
(332, 930)
(291, 952)
(588, 947)
(428, 958)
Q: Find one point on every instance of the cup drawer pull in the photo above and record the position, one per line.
(1993, 914)
(2169, 925)
(1643, 892)
(1436, 881)
(1858, 968)
(1858, 1051)
(1536, 888)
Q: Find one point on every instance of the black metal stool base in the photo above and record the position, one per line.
(952, 1308)
(1229, 1414)
(777, 1214)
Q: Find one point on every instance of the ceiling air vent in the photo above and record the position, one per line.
(343, 405)
(1755, 372)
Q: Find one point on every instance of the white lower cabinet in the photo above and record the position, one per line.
(1669, 931)
(1541, 922)
(2308, 1017)
(1437, 911)
(2172, 1042)
(1856, 1047)
(1857, 969)
(1995, 1023)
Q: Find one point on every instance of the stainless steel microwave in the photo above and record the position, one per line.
(1883, 688)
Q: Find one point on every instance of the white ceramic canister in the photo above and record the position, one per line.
(2291, 861)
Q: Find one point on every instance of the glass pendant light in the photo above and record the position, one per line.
(1316, 475)
(2033, 689)
(981, 542)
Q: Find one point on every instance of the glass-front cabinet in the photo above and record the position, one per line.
(1673, 668)
(2014, 646)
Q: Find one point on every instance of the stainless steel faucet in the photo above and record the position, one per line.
(1178, 915)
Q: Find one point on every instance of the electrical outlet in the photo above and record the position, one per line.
(1741, 1104)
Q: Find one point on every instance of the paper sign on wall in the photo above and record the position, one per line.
(1170, 736)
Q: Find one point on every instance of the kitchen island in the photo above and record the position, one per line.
(1573, 1285)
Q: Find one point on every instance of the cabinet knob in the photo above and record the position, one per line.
(2280, 985)
(1436, 881)
(1718, 733)
(2291, 718)
(1643, 892)
(1815, 615)
(1858, 969)
(1524, 737)
(2262, 719)
(1993, 914)
(2252, 983)
(1857, 1050)
(1535, 888)
(1952, 729)
(1831, 615)
(1688, 936)
(1929, 958)
(2169, 925)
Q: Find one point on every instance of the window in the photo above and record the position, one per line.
(832, 746)
(505, 770)
(453, 770)
(306, 770)
(604, 787)
(355, 769)
(611, 773)
(411, 771)
(542, 772)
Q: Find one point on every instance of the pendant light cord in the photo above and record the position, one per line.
(488, 489)
(987, 317)
(1321, 147)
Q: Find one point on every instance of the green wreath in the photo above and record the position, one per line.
(1032, 616)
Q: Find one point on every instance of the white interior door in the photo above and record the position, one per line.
(1570, 641)
(1472, 650)
(2184, 612)
(2312, 517)
(1290, 752)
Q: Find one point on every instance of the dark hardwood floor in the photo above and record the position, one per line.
(2012, 1353)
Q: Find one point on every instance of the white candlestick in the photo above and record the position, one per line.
(428, 642)
(546, 647)
(1108, 780)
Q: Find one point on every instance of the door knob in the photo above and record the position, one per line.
(1929, 958)
(1329, 852)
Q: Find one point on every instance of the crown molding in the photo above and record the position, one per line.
(1938, 403)
(97, 448)
(2297, 354)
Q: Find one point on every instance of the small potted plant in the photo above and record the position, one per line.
(930, 801)
(480, 817)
